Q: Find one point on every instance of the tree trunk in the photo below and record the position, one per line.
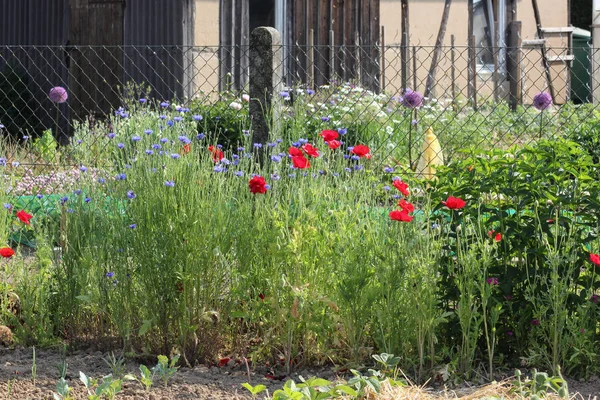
(438, 48)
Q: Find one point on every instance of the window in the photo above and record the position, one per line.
(489, 15)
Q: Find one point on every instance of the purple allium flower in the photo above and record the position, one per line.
(164, 140)
(132, 226)
(276, 159)
(184, 140)
(143, 101)
(412, 99)
(175, 156)
(197, 117)
(148, 131)
(170, 183)
(239, 173)
(111, 135)
(200, 136)
(542, 101)
(120, 145)
(131, 194)
(388, 170)
(58, 94)
(164, 104)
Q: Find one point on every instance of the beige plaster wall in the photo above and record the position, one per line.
(205, 54)
(425, 17)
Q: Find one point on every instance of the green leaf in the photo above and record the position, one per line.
(146, 325)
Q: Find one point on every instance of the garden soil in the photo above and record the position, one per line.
(200, 382)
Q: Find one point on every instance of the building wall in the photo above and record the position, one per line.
(425, 17)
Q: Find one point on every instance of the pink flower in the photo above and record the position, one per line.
(492, 281)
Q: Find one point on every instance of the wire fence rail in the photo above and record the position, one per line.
(482, 98)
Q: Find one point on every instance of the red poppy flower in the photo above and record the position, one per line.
(186, 148)
(311, 150)
(361, 150)
(400, 215)
(595, 259)
(261, 296)
(334, 144)
(406, 206)
(216, 153)
(454, 203)
(295, 152)
(7, 252)
(224, 361)
(300, 162)
(402, 187)
(257, 184)
(497, 237)
(329, 135)
(24, 217)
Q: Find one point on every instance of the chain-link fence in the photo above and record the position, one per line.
(474, 97)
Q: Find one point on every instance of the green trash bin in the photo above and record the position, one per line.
(580, 73)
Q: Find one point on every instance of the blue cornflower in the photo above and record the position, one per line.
(275, 158)
(268, 187)
(63, 200)
(83, 168)
(178, 119)
(396, 196)
(235, 156)
(77, 192)
(164, 104)
(39, 196)
(342, 131)
(127, 166)
(219, 168)
(25, 137)
(348, 169)
(388, 170)
(2, 161)
(303, 141)
(164, 140)
(258, 145)
(142, 100)
(296, 144)
(200, 136)
(121, 177)
(325, 119)
(87, 199)
(246, 132)
(162, 116)
(110, 274)
(101, 181)
(358, 167)
(184, 140)
(156, 146)
(136, 138)
(133, 226)
(310, 92)
(111, 135)
(120, 145)
(148, 131)
(2, 126)
(7, 206)
(225, 161)
(131, 194)
(197, 117)
(239, 173)
(16, 164)
(149, 152)
(336, 174)
(355, 158)
(292, 175)
(170, 123)
(273, 144)
(284, 94)
(321, 172)
(70, 210)
(170, 183)
(275, 177)
(219, 146)
(79, 141)
(241, 149)
(387, 188)
(175, 156)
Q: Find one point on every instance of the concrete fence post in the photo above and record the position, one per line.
(266, 82)
(595, 75)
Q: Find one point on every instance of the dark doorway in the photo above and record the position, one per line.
(262, 13)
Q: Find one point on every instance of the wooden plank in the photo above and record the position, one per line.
(405, 41)
(299, 40)
(375, 43)
(514, 63)
(310, 59)
(437, 50)
(338, 29)
(453, 70)
(540, 33)
(473, 61)
(383, 64)
(322, 30)
(470, 53)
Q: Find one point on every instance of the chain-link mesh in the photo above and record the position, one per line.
(480, 101)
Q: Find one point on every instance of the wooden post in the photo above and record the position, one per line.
(514, 63)
(357, 56)
(310, 59)
(383, 59)
(453, 70)
(404, 45)
(496, 61)
(473, 45)
(414, 71)
(595, 59)
(540, 33)
(437, 50)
